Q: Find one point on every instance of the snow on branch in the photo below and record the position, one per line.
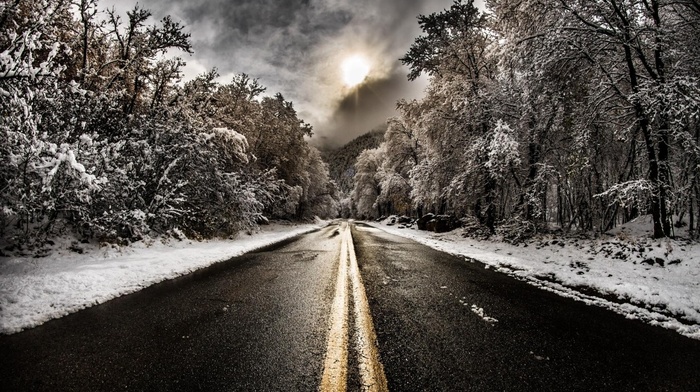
(66, 155)
(230, 141)
(630, 193)
(503, 150)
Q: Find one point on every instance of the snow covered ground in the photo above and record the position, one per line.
(657, 281)
(35, 290)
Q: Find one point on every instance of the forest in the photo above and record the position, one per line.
(101, 138)
(574, 115)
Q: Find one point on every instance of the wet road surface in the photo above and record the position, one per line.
(263, 322)
(425, 306)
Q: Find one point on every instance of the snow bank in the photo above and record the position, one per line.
(657, 281)
(35, 290)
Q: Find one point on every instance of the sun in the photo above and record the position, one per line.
(355, 70)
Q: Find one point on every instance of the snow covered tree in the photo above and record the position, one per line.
(401, 155)
(580, 114)
(627, 47)
(99, 139)
(40, 155)
(455, 51)
(367, 189)
(321, 196)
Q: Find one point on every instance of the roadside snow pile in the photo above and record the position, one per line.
(480, 312)
(657, 281)
(36, 290)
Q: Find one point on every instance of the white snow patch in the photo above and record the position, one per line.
(480, 312)
(36, 290)
(539, 357)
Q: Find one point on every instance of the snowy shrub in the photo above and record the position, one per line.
(516, 230)
(503, 151)
(634, 193)
(289, 197)
(471, 227)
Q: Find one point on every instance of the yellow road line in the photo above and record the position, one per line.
(371, 369)
(335, 366)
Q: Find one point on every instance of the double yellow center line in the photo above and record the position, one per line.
(335, 367)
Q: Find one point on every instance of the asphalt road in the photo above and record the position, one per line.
(256, 322)
(431, 339)
(261, 322)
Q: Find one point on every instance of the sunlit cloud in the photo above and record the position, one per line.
(296, 47)
(355, 70)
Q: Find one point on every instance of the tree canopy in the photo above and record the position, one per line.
(541, 114)
(101, 138)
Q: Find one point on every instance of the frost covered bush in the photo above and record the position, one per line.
(43, 171)
(516, 230)
(99, 140)
(471, 227)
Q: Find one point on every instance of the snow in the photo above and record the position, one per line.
(660, 285)
(480, 312)
(657, 281)
(36, 290)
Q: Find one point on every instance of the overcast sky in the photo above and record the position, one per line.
(296, 47)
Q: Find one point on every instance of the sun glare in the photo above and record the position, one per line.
(355, 70)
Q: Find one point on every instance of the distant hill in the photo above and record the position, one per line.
(341, 161)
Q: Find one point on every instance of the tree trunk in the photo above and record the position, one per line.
(534, 152)
(691, 218)
(560, 203)
(86, 32)
(490, 219)
(664, 172)
(697, 205)
(658, 196)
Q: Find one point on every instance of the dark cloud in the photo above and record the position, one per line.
(364, 109)
(296, 46)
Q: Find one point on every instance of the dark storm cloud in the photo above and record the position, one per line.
(245, 22)
(254, 36)
(295, 47)
(363, 110)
